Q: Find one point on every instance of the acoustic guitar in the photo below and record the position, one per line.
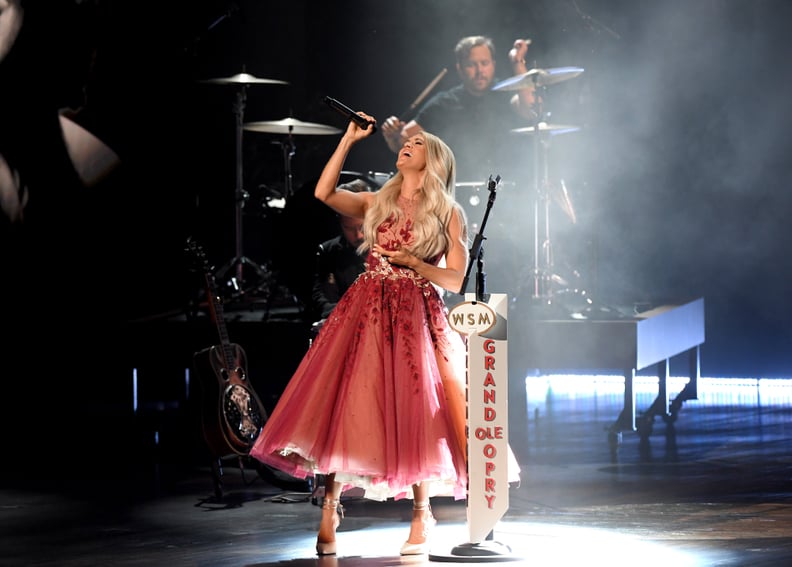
(233, 414)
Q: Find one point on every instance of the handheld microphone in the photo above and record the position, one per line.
(349, 113)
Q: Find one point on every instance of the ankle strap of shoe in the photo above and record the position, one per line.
(333, 504)
(422, 505)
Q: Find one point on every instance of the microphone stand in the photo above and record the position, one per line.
(476, 250)
(477, 255)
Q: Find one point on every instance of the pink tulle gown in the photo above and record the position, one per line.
(379, 397)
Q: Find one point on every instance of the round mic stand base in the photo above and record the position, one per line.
(488, 551)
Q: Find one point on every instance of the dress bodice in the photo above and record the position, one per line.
(397, 231)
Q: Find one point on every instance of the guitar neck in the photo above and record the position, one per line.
(218, 316)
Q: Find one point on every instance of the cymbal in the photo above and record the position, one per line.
(290, 126)
(552, 129)
(539, 78)
(243, 79)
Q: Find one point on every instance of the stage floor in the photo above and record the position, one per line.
(711, 488)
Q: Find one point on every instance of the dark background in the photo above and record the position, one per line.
(679, 174)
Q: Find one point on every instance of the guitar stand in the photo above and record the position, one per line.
(217, 474)
(217, 477)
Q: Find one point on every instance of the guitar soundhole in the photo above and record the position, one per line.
(242, 414)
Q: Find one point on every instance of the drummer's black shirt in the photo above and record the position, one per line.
(478, 130)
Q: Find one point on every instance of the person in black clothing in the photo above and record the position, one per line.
(474, 120)
(338, 262)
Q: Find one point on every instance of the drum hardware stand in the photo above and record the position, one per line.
(543, 257)
(542, 271)
(238, 263)
(289, 149)
(545, 279)
(289, 127)
(542, 276)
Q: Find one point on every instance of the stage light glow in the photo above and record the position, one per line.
(531, 543)
(740, 392)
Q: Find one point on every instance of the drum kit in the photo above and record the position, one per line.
(285, 128)
(543, 277)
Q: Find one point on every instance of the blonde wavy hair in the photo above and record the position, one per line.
(437, 203)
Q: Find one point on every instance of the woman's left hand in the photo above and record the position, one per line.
(400, 256)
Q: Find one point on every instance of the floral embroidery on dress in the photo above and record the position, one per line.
(395, 236)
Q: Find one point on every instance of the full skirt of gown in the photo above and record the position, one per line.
(379, 397)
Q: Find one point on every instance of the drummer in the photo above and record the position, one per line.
(473, 119)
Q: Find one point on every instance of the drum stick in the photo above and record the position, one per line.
(425, 92)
